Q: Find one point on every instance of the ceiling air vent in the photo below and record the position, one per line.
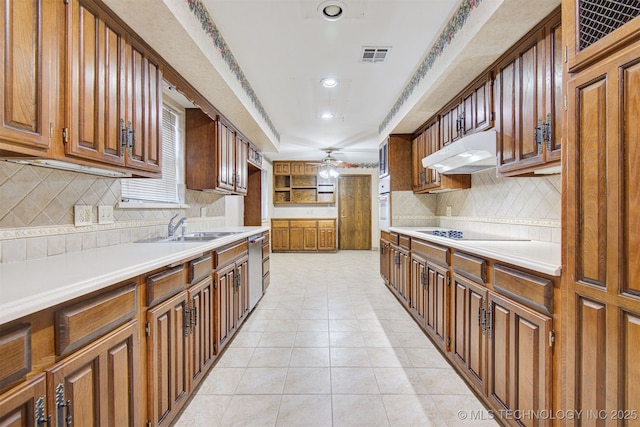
(374, 54)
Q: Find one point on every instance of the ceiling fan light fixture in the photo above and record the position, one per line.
(329, 82)
(332, 10)
(327, 116)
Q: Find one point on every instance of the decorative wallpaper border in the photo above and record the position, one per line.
(201, 13)
(447, 35)
(358, 166)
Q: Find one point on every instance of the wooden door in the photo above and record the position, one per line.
(418, 288)
(144, 112)
(27, 49)
(354, 208)
(95, 109)
(280, 239)
(519, 359)
(201, 338)
(225, 158)
(241, 166)
(469, 330)
(437, 304)
(602, 235)
(223, 306)
(26, 404)
(167, 359)
(98, 383)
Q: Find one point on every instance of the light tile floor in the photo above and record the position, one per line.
(329, 345)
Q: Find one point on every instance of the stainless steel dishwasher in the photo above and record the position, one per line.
(255, 269)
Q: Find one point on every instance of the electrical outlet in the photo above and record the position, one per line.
(448, 210)
(105, 214)
(81, 215)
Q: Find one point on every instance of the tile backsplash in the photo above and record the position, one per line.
(525, 207)
(36, 212)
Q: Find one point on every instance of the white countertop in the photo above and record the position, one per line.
(30, 286)
(543, 257)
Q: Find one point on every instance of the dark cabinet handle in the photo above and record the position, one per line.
(123, 137)
(187, 321)
(130, 138)
(63, 407)
(539, 135)
(547, 131)
(40, 419)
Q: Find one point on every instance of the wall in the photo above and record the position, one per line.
(36, 212)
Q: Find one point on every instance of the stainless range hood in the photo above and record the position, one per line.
(472, 153)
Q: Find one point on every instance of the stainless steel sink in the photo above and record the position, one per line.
(201, 236)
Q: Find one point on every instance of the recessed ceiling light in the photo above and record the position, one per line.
(329, 82)
(327, 116)
(332, 10)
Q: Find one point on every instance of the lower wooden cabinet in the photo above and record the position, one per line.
(303, 235)
(201, 324)
(493, 322)
(25, 405)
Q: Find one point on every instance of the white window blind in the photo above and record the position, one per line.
(165, 189)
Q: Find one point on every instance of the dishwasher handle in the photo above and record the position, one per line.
(256, 240)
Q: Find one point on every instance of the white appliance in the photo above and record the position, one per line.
(384, 203)
(469, 154)
(255, 269)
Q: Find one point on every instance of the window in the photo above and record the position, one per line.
(163, 190)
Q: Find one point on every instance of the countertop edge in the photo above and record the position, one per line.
(80, 285)
(528, 262)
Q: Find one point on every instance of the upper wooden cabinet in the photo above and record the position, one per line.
(425, 180)
(528, 95)
(28, 80)
(114, 93)
(397, 155)
(216, 156)
(589, 27)
(299, 182)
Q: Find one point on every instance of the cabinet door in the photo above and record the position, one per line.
(98, 384)
(223, 305)
(400, 273)
(310, 239)
(226, 157)
(95, 114)
(383, 159)
(241, 167)
(519, 358)
(280, 239)
(476, 107)
(437, 303)
(167, 359)
(520, 106)
(296, 239)
(27, 49)
(418, 152)
(469, 330)
(281, 168)
(297, 168)
(554, 117)
(326, 239)
(201, 339)
(241, 291)
(25, 405)
(417, 298)
(144, 112)
(385, 255)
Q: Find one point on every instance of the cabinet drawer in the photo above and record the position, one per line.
(469, 266)
(164, 285)
(326, 223)
(265, 251)
(265, 266)
(266, 238)
(227, 254)
(434, 253)
(279, 223)
(200, 268)
(303, 223)
(404, 241)
(532, 291)
(15, 348)
(87, 320)
(392, 237)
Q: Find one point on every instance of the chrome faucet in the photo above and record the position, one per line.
(181, 223)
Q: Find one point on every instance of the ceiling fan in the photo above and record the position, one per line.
(330, 160)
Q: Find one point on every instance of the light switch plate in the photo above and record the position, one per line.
(81, 215)
(105, 214)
